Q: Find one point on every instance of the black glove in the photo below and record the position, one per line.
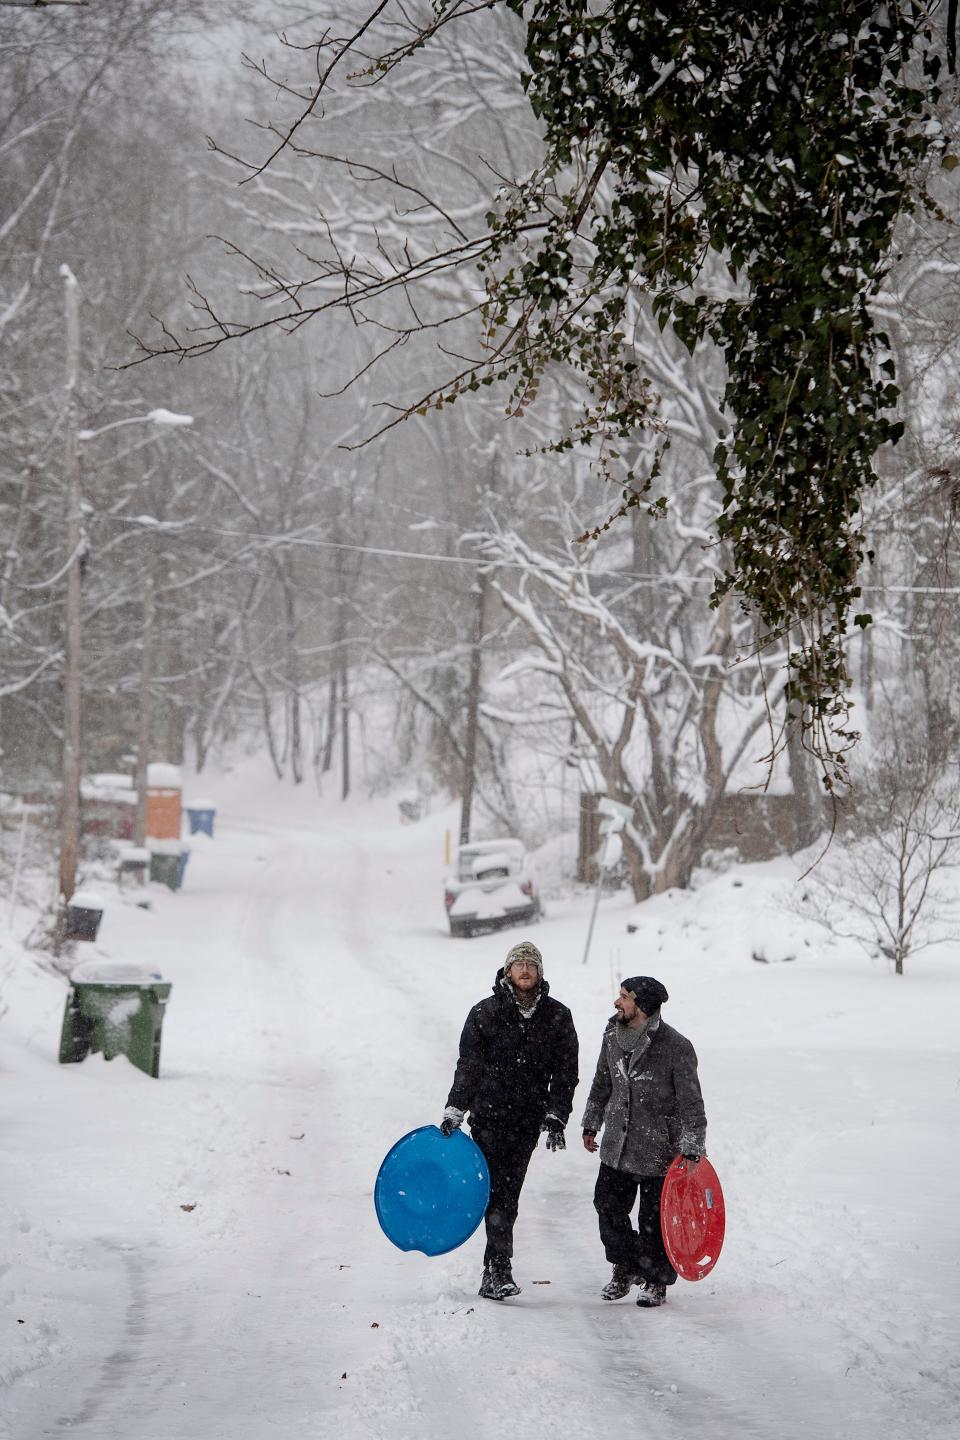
(452, 1120)
(693, 1156)
(554, 1133)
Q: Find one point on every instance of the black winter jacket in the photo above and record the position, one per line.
(513, 1071)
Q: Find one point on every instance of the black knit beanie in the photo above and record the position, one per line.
(648, 993)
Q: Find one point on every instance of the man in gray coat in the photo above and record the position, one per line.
(646, 1097)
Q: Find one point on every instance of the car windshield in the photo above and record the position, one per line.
(490, 860)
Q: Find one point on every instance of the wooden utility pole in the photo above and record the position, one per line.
(70, 798)
(146, 707)
(481, 589)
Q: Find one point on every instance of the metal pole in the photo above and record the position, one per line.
(70, 798)
(602, 870)
(608, 855)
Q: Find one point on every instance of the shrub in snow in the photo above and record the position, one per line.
(886, 885)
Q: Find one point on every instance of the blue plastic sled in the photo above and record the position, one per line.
(432, 1191)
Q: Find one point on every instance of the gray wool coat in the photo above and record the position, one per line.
(650, 1110)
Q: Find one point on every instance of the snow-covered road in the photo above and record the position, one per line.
(199, 1258)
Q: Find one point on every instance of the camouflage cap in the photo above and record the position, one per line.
(525, 950)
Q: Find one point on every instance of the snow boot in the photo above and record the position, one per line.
(498, 1282)
(651, 1294)
(619, 1283)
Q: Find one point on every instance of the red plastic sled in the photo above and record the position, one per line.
(692, 1218)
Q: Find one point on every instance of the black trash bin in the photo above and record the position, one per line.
(82, 916)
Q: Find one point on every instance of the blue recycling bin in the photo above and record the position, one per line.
(201, 818)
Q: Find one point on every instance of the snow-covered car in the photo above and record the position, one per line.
(493, 884)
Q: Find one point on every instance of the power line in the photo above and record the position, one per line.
(305, 542)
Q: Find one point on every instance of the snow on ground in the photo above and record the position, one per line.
(198, 1257)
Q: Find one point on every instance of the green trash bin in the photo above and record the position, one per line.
(115, 1009)
(165, 862)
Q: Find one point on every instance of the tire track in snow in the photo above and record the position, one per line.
(440, 1360)
(397, 1347)
(149, 1311)
(106, 1409)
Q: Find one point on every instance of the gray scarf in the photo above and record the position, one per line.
(636, 1043)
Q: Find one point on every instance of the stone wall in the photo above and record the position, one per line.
(758, 827)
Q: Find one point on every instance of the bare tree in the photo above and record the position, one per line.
(74, 133)
(883, 886)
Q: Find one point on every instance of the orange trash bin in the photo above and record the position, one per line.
(163, 802)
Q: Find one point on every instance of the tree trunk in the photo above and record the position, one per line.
(468, 783)
(344, 724)
(807, 795)
(13, 541)
(293, 683)
(636, 870)
(296, 743)
(327, 763)
(199, 741)
(172, 709)
(267, 720)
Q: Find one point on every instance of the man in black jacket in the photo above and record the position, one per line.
(515, 1077)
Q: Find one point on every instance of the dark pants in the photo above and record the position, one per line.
(641, 1248)
(507, 1152)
